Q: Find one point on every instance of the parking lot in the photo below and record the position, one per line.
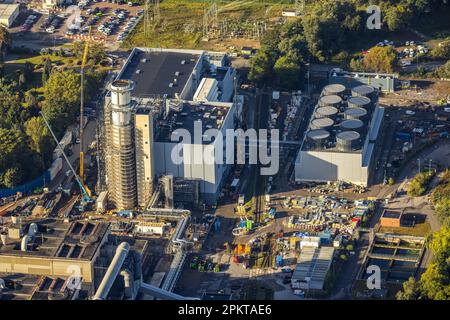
(109, 22)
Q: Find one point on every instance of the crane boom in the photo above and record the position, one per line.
(86, 193)
(83, 63)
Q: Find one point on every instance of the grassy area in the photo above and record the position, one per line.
(181, 23)
(419, 230)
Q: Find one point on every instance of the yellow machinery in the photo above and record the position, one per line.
(83, 63)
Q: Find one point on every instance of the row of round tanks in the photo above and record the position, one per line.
(352, 125)
(318, 137)
(330, 101)
(364, 91)
(322, 123)
(348, 141)
(326, 112)
(334, 89)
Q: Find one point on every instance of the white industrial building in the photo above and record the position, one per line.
(8, 14)
(312, 268)
(340, 142)
(168, 90)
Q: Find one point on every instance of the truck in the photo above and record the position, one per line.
(102, 201)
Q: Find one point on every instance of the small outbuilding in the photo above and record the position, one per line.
(391, 218)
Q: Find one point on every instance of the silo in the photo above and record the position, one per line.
(352, 125)
(318, 138)
(121, 162)
(347, 141)
(330, 101)
(356, 113)
(364, 91)
(326, 112)
(359, 102)
(322, 123)
(334, 89)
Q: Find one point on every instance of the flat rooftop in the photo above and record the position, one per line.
(33, 287)
(58, 239)
(391, 214)
(313, 265)
(153, 72)
(210, 115)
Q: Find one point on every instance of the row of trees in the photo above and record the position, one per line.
(440, 198)
(419, 183)
(25, 142)
(330, 29)
(434, 284)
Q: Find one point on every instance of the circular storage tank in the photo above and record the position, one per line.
(121, 92)
(347, 141)
(352, 125)
(332, 100)
(355, 113)
(337, 89)
(318, 137)
(358, 102)
(363, 91)
(322, 123)
(323, 112)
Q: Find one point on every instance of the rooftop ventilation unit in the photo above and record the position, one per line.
(183, 61)
(138, 71)
(144, 60)
(177, 74)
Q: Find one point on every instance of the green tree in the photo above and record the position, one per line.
(46, 70)
(380, 59)
(5, 38)
(441, 51)
(62, 99)
(12, 177)
(40, 138)
(288, 73)
(260, 68)
(411, 290)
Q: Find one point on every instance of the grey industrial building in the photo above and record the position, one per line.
(153, 96)
(385, 82)
(342, 135)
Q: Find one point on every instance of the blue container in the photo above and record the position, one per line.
(217, 225)
(279, 260)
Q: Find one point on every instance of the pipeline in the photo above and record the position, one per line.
(112, 272)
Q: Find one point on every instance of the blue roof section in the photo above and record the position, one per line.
(377, 120)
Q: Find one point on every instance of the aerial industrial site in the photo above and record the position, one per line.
(192, 150)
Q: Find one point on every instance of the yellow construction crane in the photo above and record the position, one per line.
(83, 63)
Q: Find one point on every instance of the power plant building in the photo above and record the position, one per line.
(158, 94)
(340, 142)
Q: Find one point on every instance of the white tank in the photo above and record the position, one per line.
(24, 243)
(121, 117)
(121, 92)
(32, 230)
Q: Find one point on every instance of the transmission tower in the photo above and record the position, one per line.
(156, 11)
(147, 22)
(210, 20)
(299, 7)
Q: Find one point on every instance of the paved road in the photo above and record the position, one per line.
(89, 136)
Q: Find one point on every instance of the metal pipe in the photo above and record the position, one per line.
(112, 272)
(160, 293)
(129, 284)
(24, 243)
